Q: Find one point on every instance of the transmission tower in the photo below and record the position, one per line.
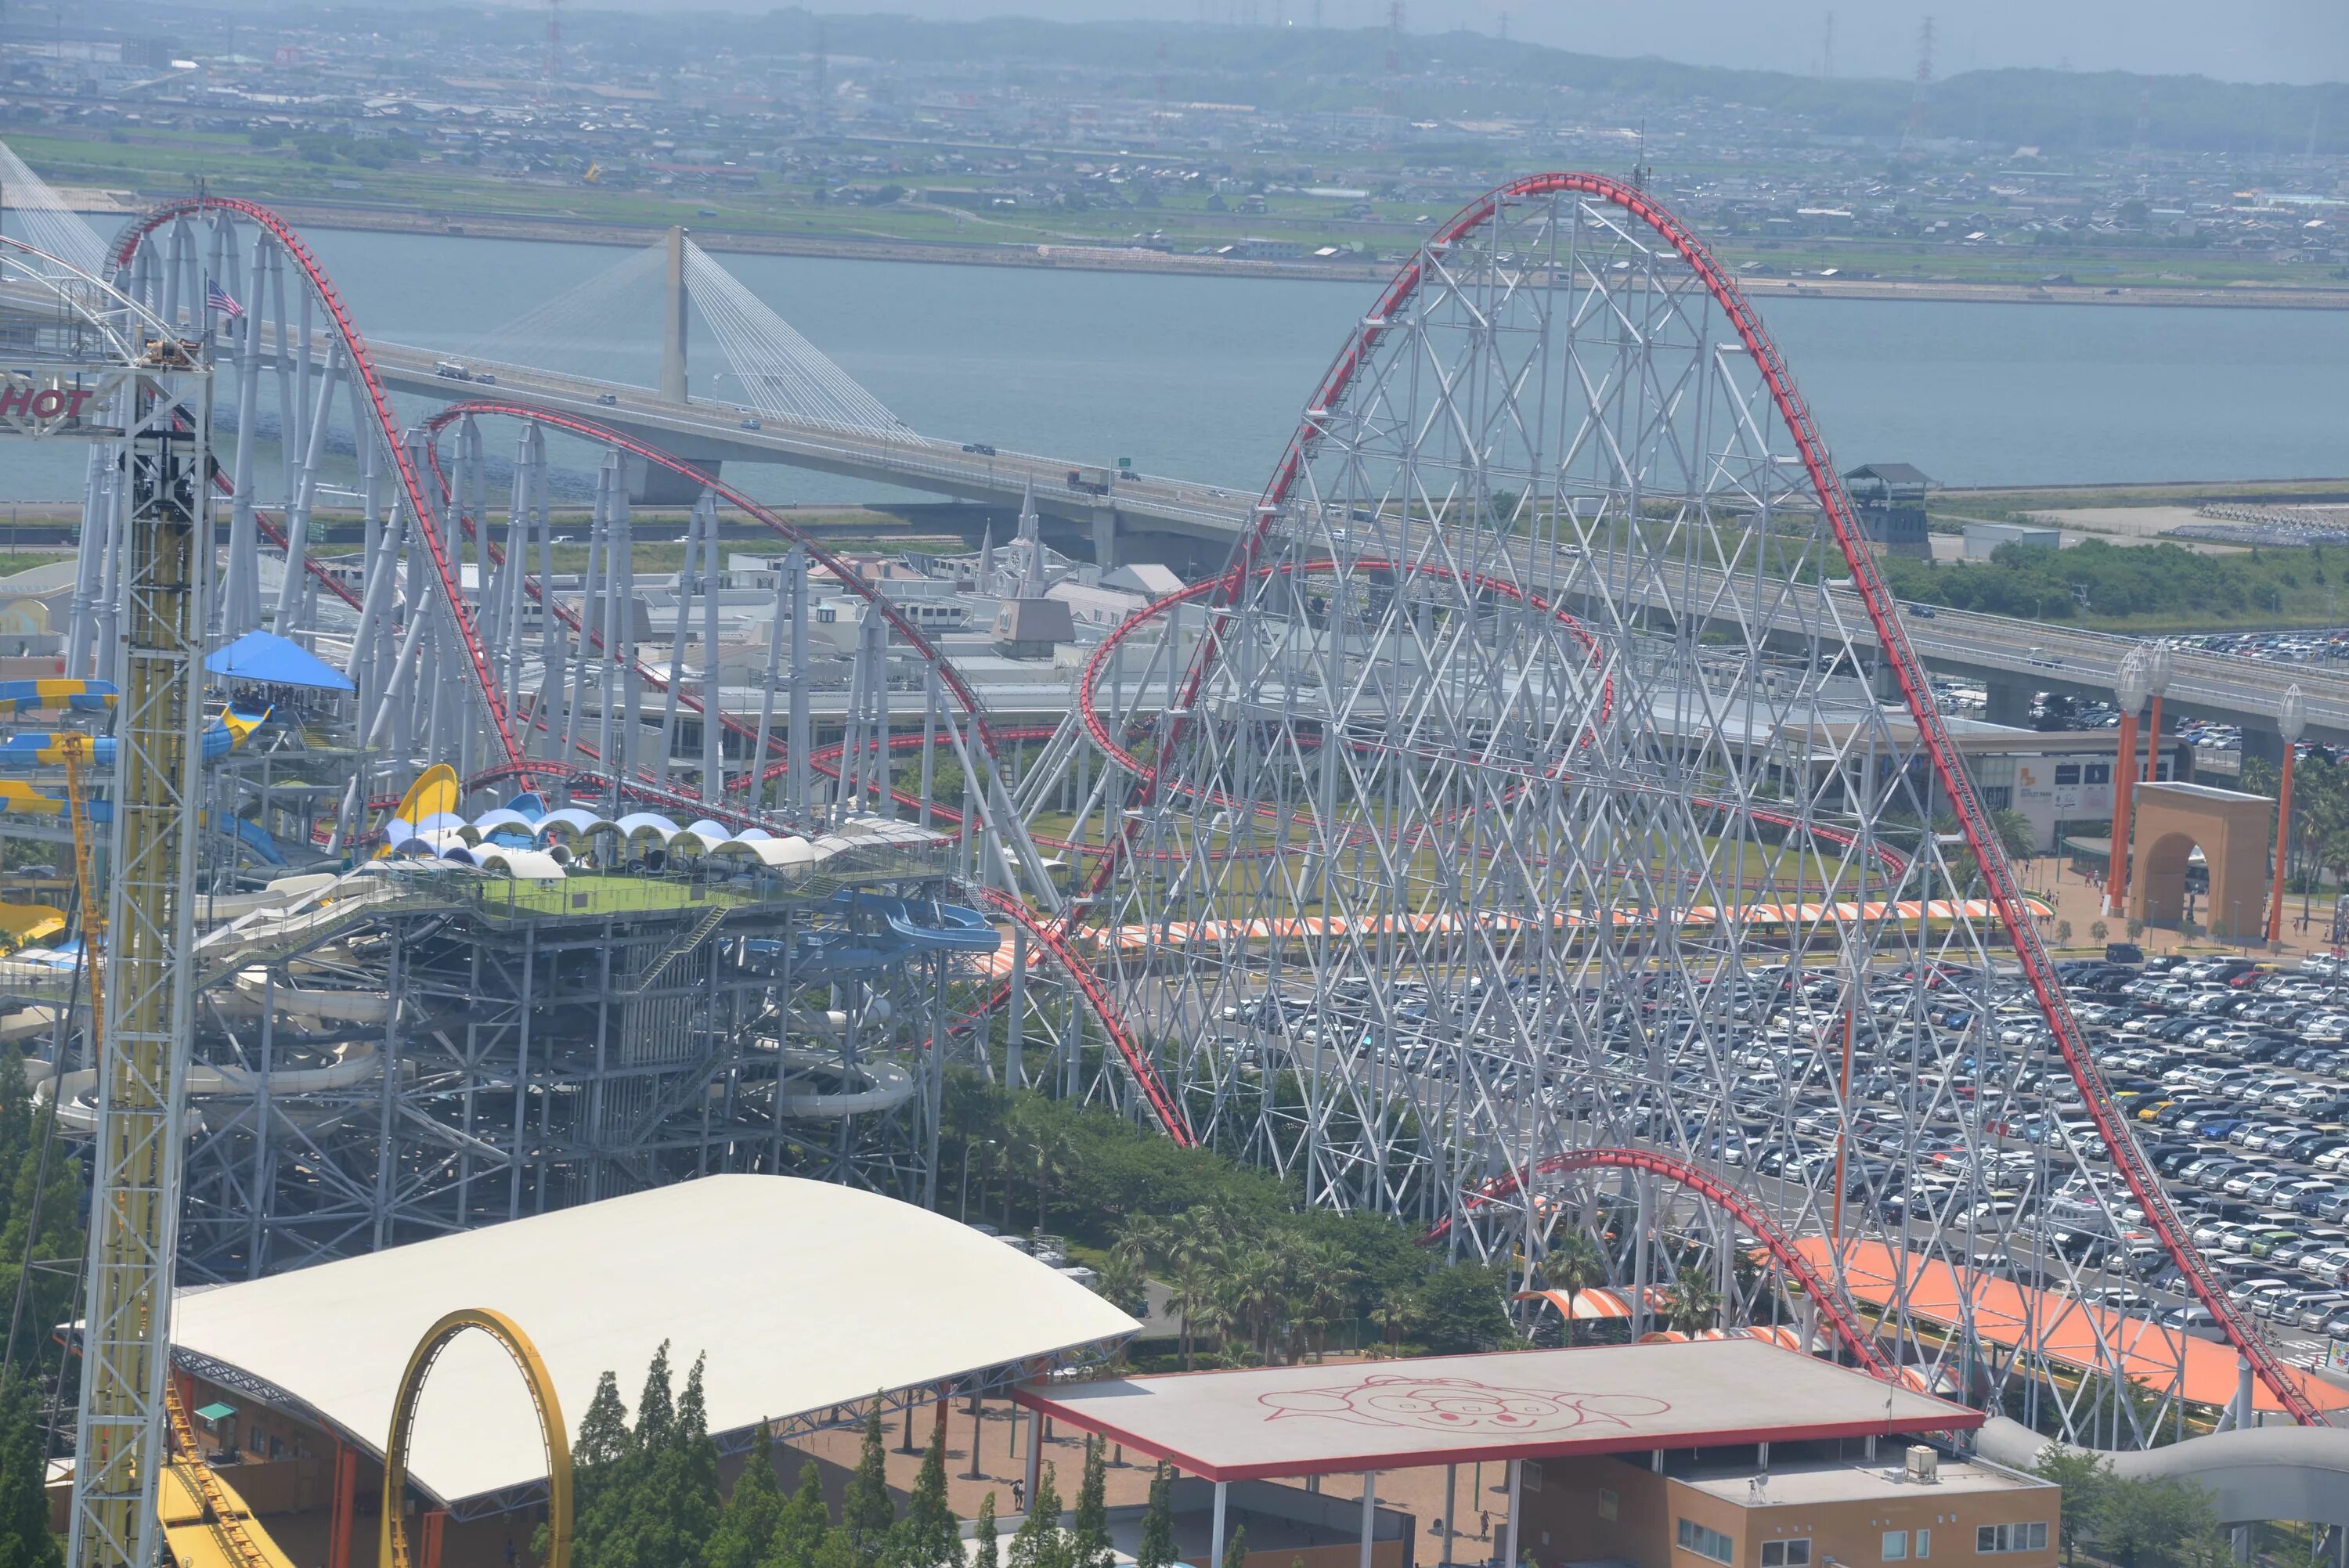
(1916, 126)
(1393, 95)
(1826, 46)
(553, 41)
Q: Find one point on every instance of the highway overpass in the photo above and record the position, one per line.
(1151, 517)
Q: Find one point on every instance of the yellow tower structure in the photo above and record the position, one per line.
(164, 564)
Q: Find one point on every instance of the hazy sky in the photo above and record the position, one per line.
(2241, 40)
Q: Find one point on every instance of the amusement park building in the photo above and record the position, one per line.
(796, 1292)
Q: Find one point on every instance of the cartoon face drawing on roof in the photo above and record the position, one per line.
(1459, 1405)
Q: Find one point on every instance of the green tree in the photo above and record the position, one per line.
(1039, 1543)
(2016, 835)
(866, 1515)
(928, 1536)
(1459, 1309)
(746, 1532)
(40, 1217)
(688, 1477)
(2153, 1524)
(985, 1554)
(1157, 1548)
(652, 1492)
(1236, 1548)
(801, 1530)
(2085, 1477)
(1329, 1279)
(24, 1538)
(1088, 1543)
(601, 1460)
(1691, 1304)
(1574, 1264)
(1040, 1149)
(1123, 1282)
(656, 1405)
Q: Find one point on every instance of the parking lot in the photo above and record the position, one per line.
(1959, 1132)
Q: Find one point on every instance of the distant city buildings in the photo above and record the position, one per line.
(1329, 164)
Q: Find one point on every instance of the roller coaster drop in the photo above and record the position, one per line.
(1416, 855)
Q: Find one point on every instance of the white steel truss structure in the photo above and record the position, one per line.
(1524, 788)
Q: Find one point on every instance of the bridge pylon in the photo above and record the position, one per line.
(672, 366)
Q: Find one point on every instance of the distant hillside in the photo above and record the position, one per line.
(1462, 75)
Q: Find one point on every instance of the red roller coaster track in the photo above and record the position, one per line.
(426, 520)
(1949, 772)
(604, 435)
(1833, 1309)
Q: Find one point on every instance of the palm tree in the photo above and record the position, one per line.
(1574, 1266)
(1330, 1277)
(1191, 1248)
(1039, 1146)
(1691, 1304)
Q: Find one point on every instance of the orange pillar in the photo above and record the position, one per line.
(2283, 845)
(2152, 741)
(343, 1516)
(435, 1520)
(2116, 862)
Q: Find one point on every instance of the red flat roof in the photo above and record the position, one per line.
(1344, 1417)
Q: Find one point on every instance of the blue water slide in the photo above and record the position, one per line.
(251, 834)
(944, 926)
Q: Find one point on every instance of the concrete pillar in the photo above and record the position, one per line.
(1215, 1531)
(1516, 1501)
(1369, 1514)
(673, 314)
(1450, 1514)
(2009, 703)
(1036, 1460)
(1105, 538)
(2264, 742)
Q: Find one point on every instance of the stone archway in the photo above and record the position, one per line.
(2234, 831)
(2160, 879)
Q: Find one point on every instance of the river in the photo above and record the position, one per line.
(1202, 377)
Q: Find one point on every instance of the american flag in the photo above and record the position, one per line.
(216, 298)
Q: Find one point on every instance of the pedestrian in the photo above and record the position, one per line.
(1484, 1525)
(1019, 1495)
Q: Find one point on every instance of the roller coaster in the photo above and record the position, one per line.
(1432, 854)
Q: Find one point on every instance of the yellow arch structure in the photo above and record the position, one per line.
(394, 1551)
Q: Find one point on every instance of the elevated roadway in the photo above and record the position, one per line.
(705, 431)
(2012, 658)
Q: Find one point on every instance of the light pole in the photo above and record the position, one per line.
(2129, 685)
(968, 1145)
(2292, 719)
(2157, 681)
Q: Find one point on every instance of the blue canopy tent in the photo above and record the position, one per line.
(267, 659)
